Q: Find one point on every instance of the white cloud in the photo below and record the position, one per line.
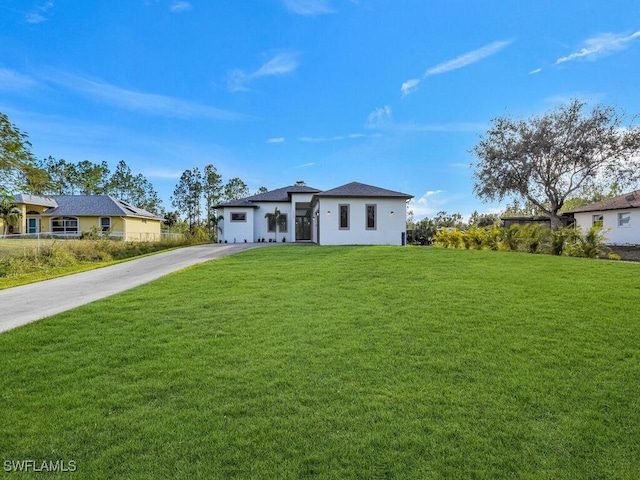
(12, 80)
(427, 204)
(147, 103)
(305, 165)
(276, 140)
(37, 15)
(180, 6)
(308, 7)
(280, 64)
(335, 138)
(533, 72)
(382, 119)
(409, 86)
(601, 46)
(459, 62)
(381, 116)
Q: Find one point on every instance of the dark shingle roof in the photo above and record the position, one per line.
(621, 202)
(279, 195)
(238, 203)
(95, 205)
(355, 189)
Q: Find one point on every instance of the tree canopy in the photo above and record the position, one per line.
(546, 159)
(17, 167)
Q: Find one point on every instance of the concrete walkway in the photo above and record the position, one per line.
(28, 303)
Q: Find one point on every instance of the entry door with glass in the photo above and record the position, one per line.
(303, 222)
(32, 225)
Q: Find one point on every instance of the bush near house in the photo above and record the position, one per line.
(531, 238)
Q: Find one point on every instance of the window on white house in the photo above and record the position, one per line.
(239, 217)
(344, 217)
(597, 220)
(105, 224)
(624, 219)
(371, 217)
(271, 223)
(282, 223)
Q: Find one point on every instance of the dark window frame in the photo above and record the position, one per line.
(369, 219)
(344, 221)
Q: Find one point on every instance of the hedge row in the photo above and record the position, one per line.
(532, 238)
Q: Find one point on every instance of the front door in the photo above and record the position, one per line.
(32, 225)
(303, 228)
(303, 222)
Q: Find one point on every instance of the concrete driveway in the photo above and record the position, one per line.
(27, 303)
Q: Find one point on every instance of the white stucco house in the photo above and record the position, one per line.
(619, 217)
(353, 214)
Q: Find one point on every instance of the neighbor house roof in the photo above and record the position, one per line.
(96, 205)
(279, 195)
(355, 189)
(621, 202)
(35, 200)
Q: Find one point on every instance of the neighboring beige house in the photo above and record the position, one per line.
(619, 217)
(71, 215)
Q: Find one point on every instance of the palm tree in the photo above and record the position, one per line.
(275, 218)
(9, 214)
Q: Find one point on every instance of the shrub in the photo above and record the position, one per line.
(511, 238)
(590, 244)
(533, 237)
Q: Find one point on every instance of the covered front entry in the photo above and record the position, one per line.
(303, 222)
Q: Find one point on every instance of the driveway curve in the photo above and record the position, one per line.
(28, 303)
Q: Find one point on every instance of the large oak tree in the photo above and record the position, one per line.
(547, 158)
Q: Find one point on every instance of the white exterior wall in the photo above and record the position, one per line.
(389, 228)
(236, 232)
(260, 225)
(614, 234)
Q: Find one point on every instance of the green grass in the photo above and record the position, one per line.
(345, 362)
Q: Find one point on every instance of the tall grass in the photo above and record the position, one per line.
(57, 255)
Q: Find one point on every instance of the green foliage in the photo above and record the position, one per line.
(16, 161)
(198, 234)
(531, 238)
(589, 244)
(546, 159)
(9, 214)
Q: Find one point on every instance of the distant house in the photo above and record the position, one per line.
(353, 214)
(535, 220)
(619, 216)
(70, 215)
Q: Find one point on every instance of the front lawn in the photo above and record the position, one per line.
(339, 362)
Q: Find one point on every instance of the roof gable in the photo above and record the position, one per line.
(278, 195)
(356, 189)
(621, 202)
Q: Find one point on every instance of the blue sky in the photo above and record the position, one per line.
(390, 93)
